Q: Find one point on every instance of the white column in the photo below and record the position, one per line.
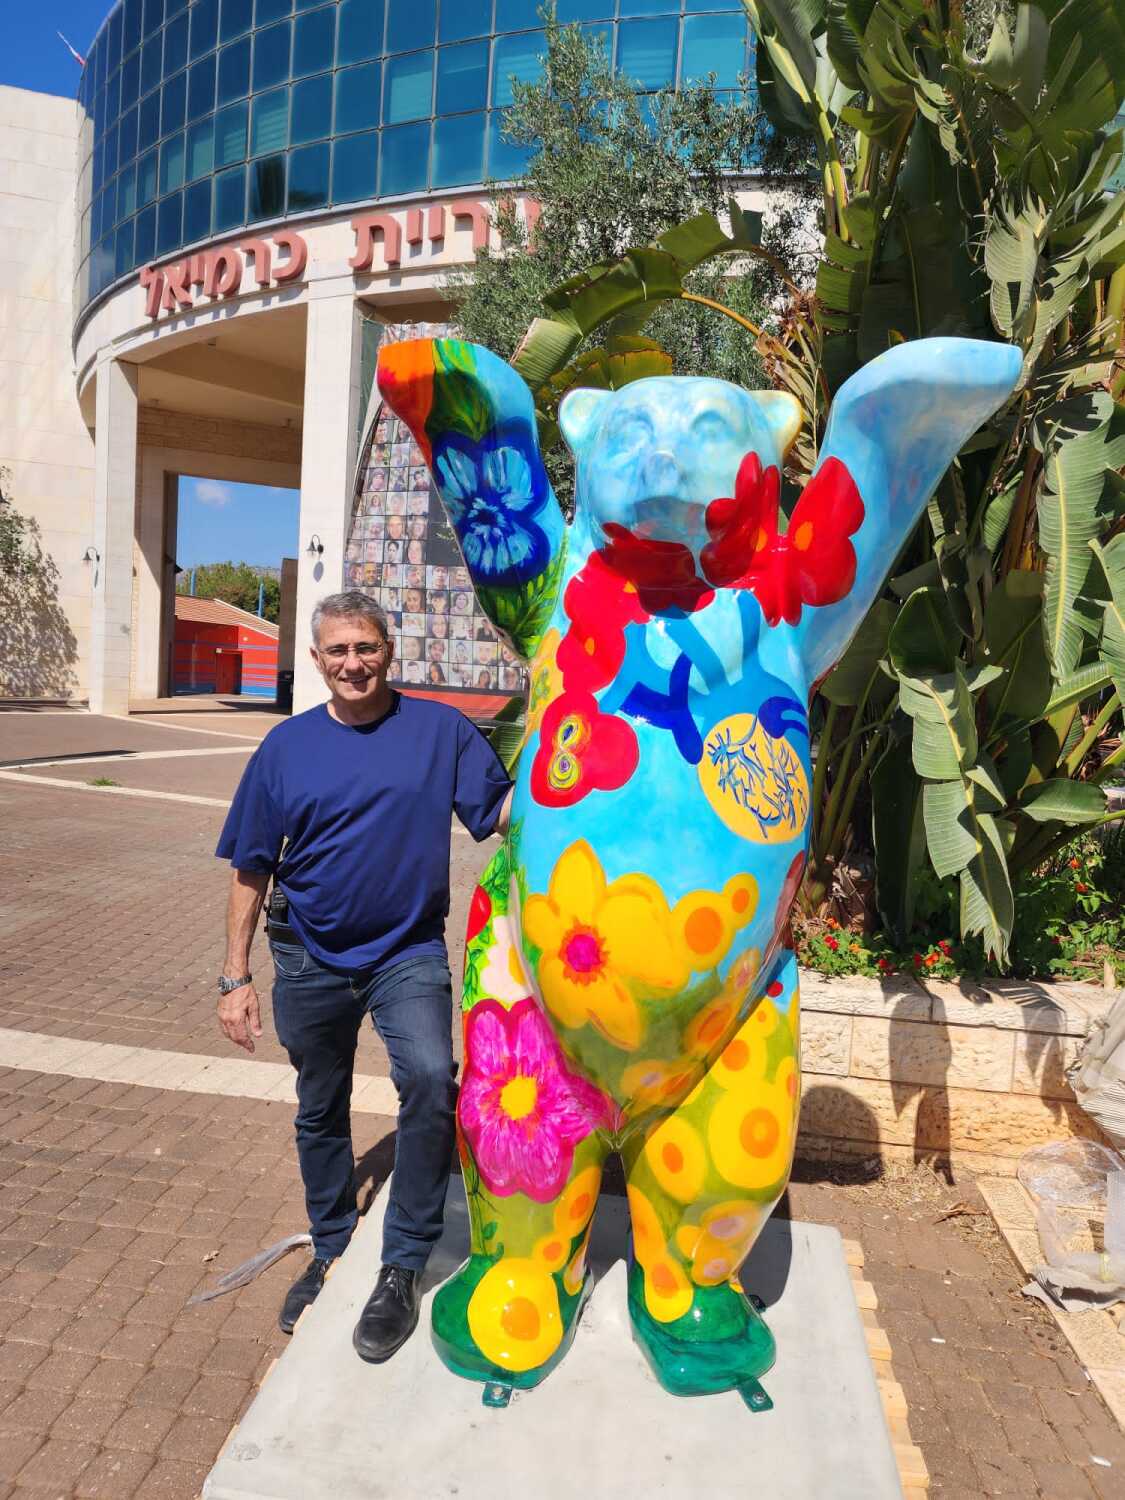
(328, 451)
(150, 575)
(115, 499)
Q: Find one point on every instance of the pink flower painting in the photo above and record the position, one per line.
(521, 1109)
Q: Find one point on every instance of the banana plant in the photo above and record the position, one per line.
(615, 299)
(968, 730)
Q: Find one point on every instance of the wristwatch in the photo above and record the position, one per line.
(227, 985)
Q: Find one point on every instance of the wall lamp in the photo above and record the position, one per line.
(91, 555)
(315, 547)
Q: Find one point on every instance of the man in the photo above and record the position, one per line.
(361, 791)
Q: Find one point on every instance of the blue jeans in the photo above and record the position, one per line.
(317, 1014)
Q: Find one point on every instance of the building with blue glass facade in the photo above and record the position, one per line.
(208, 248)
(209, 117)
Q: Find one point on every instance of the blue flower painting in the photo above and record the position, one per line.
(493, 493)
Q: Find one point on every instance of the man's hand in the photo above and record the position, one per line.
(239, 1013)
(240, 1016)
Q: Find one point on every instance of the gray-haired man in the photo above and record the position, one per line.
(361, 793)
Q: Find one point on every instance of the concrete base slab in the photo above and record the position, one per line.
(326, 1424)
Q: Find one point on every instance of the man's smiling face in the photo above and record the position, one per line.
(353, 656)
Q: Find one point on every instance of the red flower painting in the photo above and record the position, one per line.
(813, 563)
(581, 750)
(600, 603)
(663, 573)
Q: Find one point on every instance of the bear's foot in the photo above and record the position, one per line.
(506, 1322)
(721, 1343)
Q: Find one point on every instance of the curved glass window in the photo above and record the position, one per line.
(462, 78)
(206, 116)
(360, 30)
(234, 71)
(310, 116)
(313, 41)
(409, 88)
(271, 55)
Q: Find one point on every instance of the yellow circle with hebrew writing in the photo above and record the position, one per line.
(756, 784)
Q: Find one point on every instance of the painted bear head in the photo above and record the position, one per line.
(653, 456)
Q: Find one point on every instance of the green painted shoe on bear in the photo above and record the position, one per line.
(506, 1321)
(720, 1344)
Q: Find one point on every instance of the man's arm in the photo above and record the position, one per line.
(239, 1012)
(505, 815)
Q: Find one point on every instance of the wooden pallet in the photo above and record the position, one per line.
(911, 1464)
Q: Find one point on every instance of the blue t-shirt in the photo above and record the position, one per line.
(365, 816)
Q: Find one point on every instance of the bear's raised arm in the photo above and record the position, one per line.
(473, 418)
(893, 430)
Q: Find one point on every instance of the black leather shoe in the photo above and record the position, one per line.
(390, 1314)
(304, 1290)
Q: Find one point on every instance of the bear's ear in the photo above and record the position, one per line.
(783, 414)
(578, 415)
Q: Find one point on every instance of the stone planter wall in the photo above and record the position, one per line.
(945, 1072)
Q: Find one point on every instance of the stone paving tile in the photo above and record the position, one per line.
(34, 736)
(109, 1385)
(201, 774)
(1001, 1407)
(118, 1201)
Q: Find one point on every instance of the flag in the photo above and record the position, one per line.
(78, 58)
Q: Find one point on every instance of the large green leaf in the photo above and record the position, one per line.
(994, 527)
(950, 836)
(1011, 258)
(987, 906)
(857, 675)
(545, 349)
(1062, 801)
(899, 835)
(1097, 26)
(847, 21)
(945, 733)
(924, 638)
(703, 237)
(798, 84)
(506, 734)
(1069, 520)
(1030, 41)
(1111, 557)
(1076, 687)
(1015, 642)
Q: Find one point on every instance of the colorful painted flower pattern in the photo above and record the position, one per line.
(654, 679)
(514, 1314)
(545, 682)
(493, 495)
(602, 946)
(722, 1240)
(813, 563)
(580, 750)
(663, 573)
(600, 604)
(521, 1109)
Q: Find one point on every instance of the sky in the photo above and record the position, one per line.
(221, 522)
(32, 57)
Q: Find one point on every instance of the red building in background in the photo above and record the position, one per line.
(219, 648)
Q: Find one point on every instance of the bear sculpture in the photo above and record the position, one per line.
(627, 981)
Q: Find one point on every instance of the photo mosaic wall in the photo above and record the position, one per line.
(403, 552)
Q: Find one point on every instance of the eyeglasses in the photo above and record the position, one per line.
(365, 650)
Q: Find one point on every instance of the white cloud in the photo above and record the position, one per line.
(213, 492)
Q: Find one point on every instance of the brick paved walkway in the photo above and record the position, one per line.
(118, 1201)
